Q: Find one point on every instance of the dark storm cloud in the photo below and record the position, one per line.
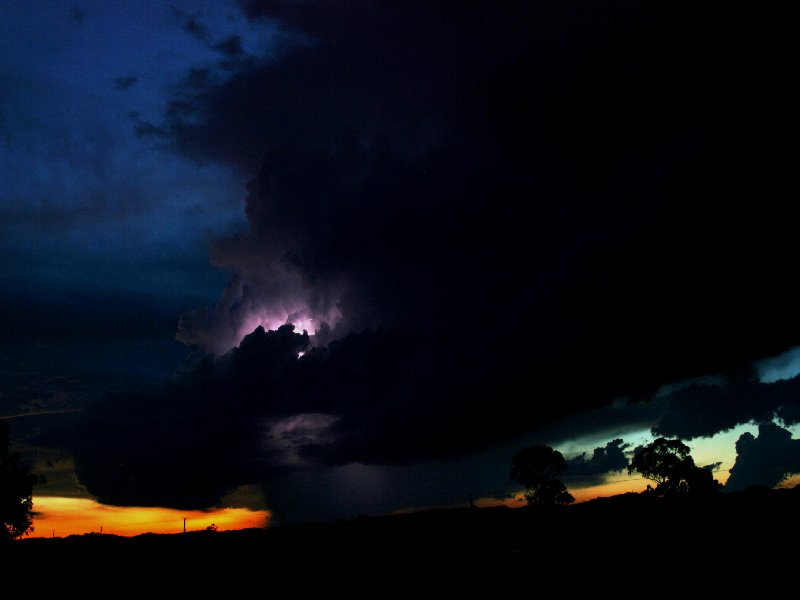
(764, 460)
(188, 443)
(259, 411)
(64, 351)
(124, 83)
(531, 192)
(198, 78)
(704, 410)
(191, 24)
(517, 213)
(550, 178)
(604, 460)
(230, 46)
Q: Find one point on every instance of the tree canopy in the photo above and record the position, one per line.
(16, 491)
(670, 465)
(536, 468)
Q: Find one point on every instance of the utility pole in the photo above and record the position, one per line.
(184, 524)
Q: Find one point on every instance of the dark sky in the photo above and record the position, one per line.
(493, 219)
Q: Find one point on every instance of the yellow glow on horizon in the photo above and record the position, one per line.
(792, 480)
(720, 448)
(76, 516)
(515, 502)
(621, 484)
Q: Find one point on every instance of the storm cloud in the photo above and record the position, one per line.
(486, 218)
(187, 443)
(571, 178)
(765, 459)
(704, 410)
(604, 460)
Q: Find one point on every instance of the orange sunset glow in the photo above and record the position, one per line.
(60, 516)
(612, 487)
(620, 485)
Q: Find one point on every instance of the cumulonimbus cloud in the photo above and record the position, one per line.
(499, 217)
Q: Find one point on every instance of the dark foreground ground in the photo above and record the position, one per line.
(630, 539)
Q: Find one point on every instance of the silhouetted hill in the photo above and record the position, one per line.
(632, 534)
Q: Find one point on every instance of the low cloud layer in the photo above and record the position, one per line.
(188, 443)
(704, 410)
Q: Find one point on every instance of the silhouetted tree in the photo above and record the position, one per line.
(536, 468)
(669, 464)
(16, 491)
(701, 482)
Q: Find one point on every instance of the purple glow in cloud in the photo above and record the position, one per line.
(269, 299)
